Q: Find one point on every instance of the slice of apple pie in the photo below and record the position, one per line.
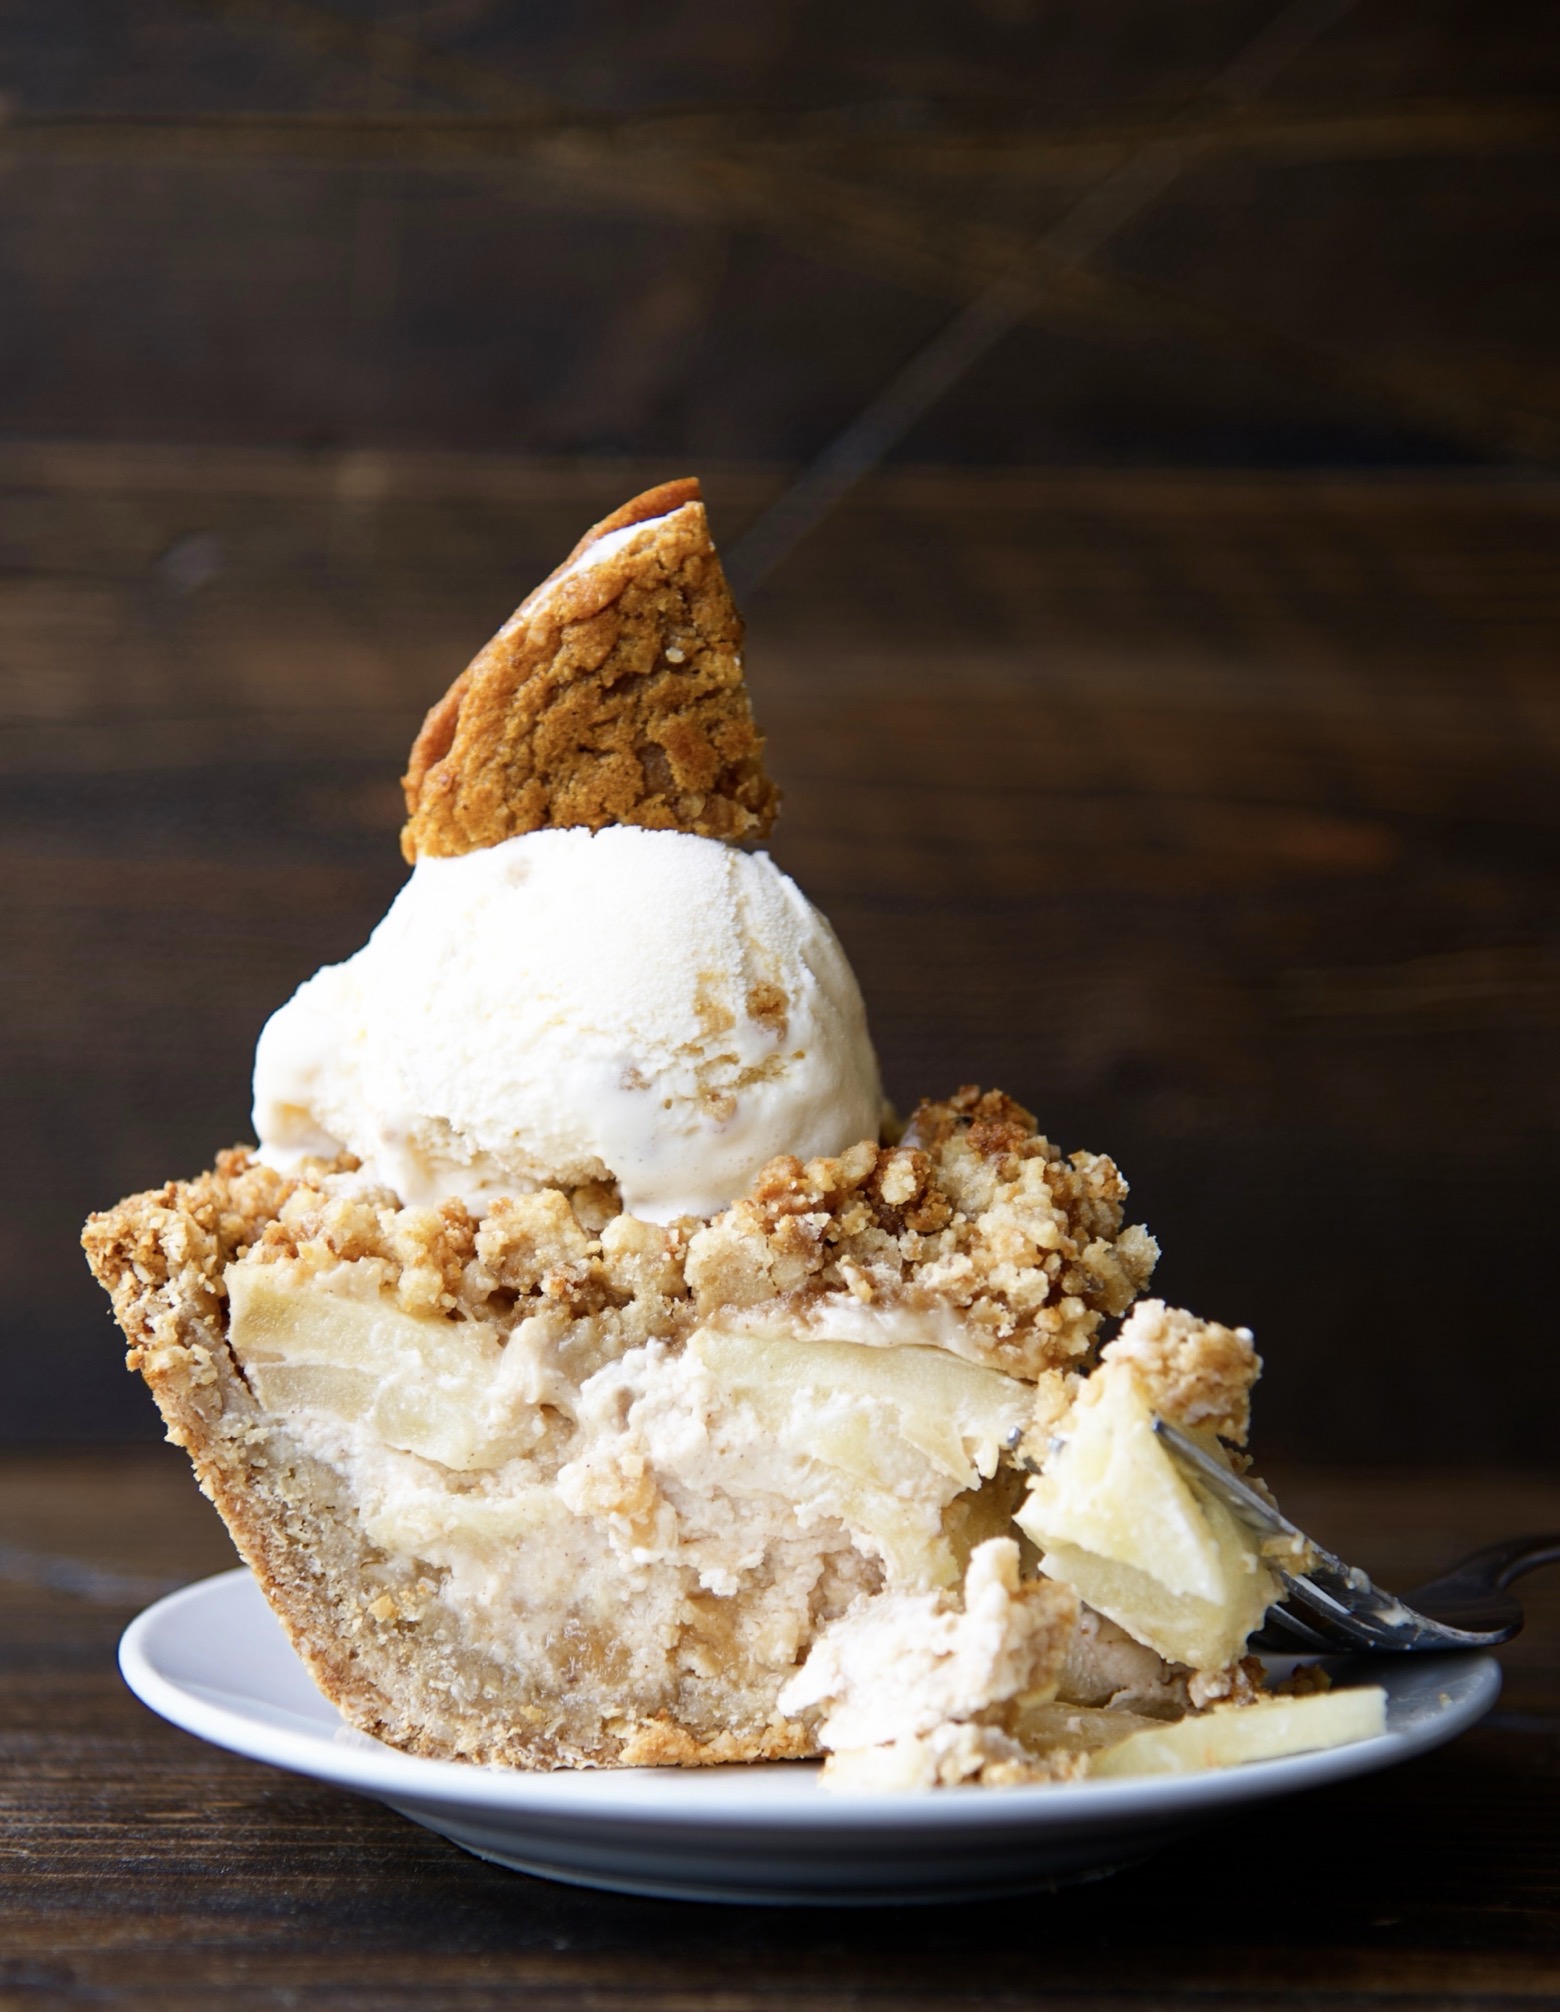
(589, 1372)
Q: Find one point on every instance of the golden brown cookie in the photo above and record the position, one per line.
(612, 695)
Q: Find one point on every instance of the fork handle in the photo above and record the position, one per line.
(1491, 1570)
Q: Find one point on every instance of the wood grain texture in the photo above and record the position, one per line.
(1214, 816)
(544, 232)
(139, 1868)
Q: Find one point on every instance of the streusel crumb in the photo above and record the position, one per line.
(1197, 1373)
(975, 1211)
(162, 1255)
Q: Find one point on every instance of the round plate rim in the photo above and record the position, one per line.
(389, 1775)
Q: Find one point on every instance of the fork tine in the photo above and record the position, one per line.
(1283, 1633)
(1239, 1497)
(1327, 1605)
(1323, 1623)
(1338, 1617)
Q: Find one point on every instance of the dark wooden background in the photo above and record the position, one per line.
(1169, 725)
(1169, 720)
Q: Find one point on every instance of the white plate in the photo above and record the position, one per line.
(214, 1660)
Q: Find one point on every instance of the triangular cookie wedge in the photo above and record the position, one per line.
(612, 695)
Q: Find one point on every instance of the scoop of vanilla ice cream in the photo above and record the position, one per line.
(571, 1005)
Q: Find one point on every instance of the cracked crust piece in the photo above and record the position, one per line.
(612, 695)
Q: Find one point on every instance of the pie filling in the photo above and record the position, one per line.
(844, 1470)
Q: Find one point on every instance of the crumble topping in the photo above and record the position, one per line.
(1019, 1249)
(974, 1212)
(162, 1254)
(1196, 1373)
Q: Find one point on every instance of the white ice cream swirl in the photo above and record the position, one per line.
(570, 1006)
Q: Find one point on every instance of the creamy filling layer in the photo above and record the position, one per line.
(714, 1506)
(713, 1500)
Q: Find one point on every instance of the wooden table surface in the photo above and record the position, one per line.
(141, 1868)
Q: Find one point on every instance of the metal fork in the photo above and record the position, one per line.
(1330, 1606)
